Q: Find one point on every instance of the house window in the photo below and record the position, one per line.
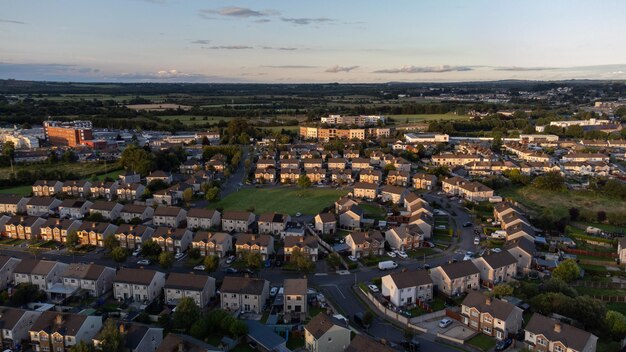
(558, 348)
(541, 341)
(487, 330)
(488, 319)
(474, 313)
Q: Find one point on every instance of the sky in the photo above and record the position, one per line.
(285, 41)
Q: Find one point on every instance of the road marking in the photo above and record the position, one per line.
(338, 289)
(321, 274)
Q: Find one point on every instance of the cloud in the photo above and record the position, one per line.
(337, 69)
(11, 21)
(288, 48)
(425, 69)
(237, 12)
(290, 66)
(201, 41)
(523, 69)
(306, 20)
(230, 47)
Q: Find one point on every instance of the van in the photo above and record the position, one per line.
(359, 318)
(387, 265)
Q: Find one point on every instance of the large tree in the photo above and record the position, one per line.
(567, 271)
(138, 160)
(211, 263)
(111, 337)
(186, 314)
(166, 259)
(119, 254)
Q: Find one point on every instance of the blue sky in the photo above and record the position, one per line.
(311, 41)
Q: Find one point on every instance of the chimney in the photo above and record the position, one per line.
(132, 227)
(58, 221)
(302, 239)
(557, 327)
(488, 301)
(122, 328)
(253, 237)
(58, 319)
(93, 224)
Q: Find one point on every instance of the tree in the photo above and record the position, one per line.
(389, 167)
(304, 181)
(8, 151)
(71, 240)
(567, 271)
(368, 318)
(253, 260)
(616, 324)
(552, 181)
(111, 337)
(238, 329)
(601, 216)
(333, 260)
(166, 259)
(138, 160)
(119, 254)
(574, 213)
(82, 346)
(151, 249)
(188, 195)
(502, 290)
(194, 253)
(26, 293)
(200, 329)
(111, 242)
(302, 261)
(212, 263)
(187, 312)
(212, 194)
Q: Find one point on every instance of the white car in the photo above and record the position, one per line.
(496, 250)
(136, 252)
(402, 254)
(391, 254)
(144, 262)
(230, 259)
(374, 288)
(179, 256)
(298, 214)
(199, 267)
(476, 241)
(445, 322)
(273, 291)
(352, 258)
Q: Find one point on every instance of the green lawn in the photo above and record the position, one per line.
(420, 252)
(408, 119)
(295, 341)
(282, 200)
(619, 307)
(19, 190)
(482, 342)
(373, 211)
(191, 120)
(84, 170)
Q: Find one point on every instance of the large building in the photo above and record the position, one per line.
(69, 134)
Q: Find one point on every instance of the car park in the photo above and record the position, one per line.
(445, 322)
(199, 267)
(373, 288)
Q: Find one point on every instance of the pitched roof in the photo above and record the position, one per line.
(252, 239)
(272, 217)
(98, 227)
(523, 243)
(134, 208)
(10, 199)
(498, 260)
(84, 271)
(167, 211)
(34, 266)
(9, 317)
(570, 336)
(243, 285)
(405, 279)
(201, 213)
(300, 241)
(41, 201)
(460, 269)
(320, 324)
(359, 237)
(520, 227)
(295, 287)
(174, 342)
(365, 185)
(236, 215)
(168, 232)
(495, 307)
(362, 343)
(187, 281)
(132, 229)
(327, 217)
(67, 324)
(103, 205)
(135, 276)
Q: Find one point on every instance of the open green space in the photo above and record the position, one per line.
(281, 200)
(373, 211)
(19, 190)
(556, 204)
(408, 119)
(482, 342)
(82, 170)
(191, 120)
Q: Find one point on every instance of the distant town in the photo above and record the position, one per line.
(392, 217)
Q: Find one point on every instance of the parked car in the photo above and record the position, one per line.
(503, 344)
(391, 254)
(467, 224)
(179, 256)
(278, 263)
(144, 262)
(413, 345)
(231, 271)
(496, 250)
(402, 254)
(230, 259)
(445, 322)
(298, 214)
(359, 318)
(199, 267)
(273, 291)
(352, 258)
(373, 288)
(136, 252)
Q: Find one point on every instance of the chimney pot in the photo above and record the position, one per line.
(488, 301)
(557, 327)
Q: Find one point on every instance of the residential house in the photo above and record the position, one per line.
(213, 243)
(238, 221)
(136, 213)
(424, 221)
(202, 218)
(455, 159)
(289, 175)
(168, 216)
(159, 175)
(496, 268)
(200, 288)
(406, 288)
(504, 208)
(129, 177)
(14, 330)
(76, 188)
(398, 178)
(451, 185)
(295, 301)
(109, 210)
(263, 164)
(326, 334)
(265, 175)
(325, 223)
(12, 205)
(249, 242)
(171, 195)
(518, 230)
(316, 175)
(74, 208)
(7, 267)
(289, 164)
(371, 176)
(343, 204)
(23, 227)
(393, 194)
(244, 294)
(41, 273)
(58, 332)
(94, 279)
(172, 240)
(93, 233)
(363, 343)
(308, 246)
(405, 237)
(273, 223)
(359, 164)
(130, 192)
(313, 163)
(513, 218)
(424, 181)
(341, 176)
(137, 337)
(415, 204)
(549, 335)
(364, 244)
(178, 342)
(363, 190)
(139, 285)
(54, 229)
(352, 218)
(491, 316)
(475, 191)
(190, 166)
(47, 188)
(42, 206)
(336, 164)
(523, 250)
(133, 236)
(104, 189)
(456, 278)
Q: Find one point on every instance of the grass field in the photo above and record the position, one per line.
(84, 170)
(557, 204)
(19, 190)
(282, 200)
(191, 120)
(409, 119)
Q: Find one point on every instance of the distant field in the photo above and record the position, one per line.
(117, 98)
(283, 200)
(279, 128)
(19, 190)
(84, 170)
(191, 120)
(404, 119)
